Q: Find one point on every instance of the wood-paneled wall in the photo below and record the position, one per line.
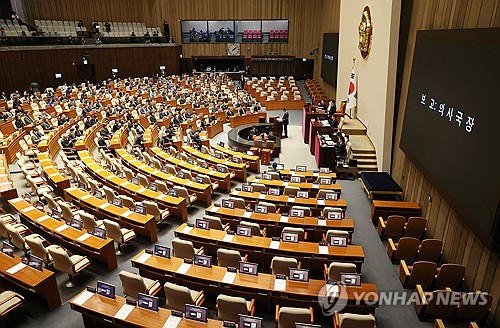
(305, 18)
(18, 68)
(460, 243)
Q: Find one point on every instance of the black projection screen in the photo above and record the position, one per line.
(329, 58)
(455, 81)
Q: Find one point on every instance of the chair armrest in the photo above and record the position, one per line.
(323, 237)
(422, 301)
(264, 232)
(305, 235)
(312, 314)
(153, 284)
(252, 306)
(276, 315)
(391, 248)
(200, 298)
(404, 273)
(245, 258)
(299, 265)
(226, 227)
(325, 271)
(381, 227)
(336, 320)
(11, 297)
(439, 324)
(472, 325)
(200, 251)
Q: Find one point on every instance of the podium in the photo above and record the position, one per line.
(277, 126)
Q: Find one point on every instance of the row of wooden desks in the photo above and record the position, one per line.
(176, 205)
(384, 208)
(286, 201)
(142, 224)
(239, 169)
(252, 161)
(223, 179)
(309, 175)
(10, 145)
(262, 249)
(312, 188)
(99, 311)
(275, 222)
(119, 138)
(203, 191)
(43, 283)
(51, 171)
(215, 128)
(80, 241)
(217, 280)
(7, 188)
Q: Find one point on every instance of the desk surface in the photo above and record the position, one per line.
(52, 172)
(213, 159)
(231, 152)
(284, 199)
(303, 185)
(308, 174)
(28, 277)
(105, 308)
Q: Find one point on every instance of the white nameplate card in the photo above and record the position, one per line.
(279, 284)
(183, 268)
(27, 209)
(124, 311)
(284, 219)
(228, 238)
(13, 201)
(83, 297)
(215, 209)
(87, 196)
(322, 223)
(262, 196)
(61, 228)
(189, 183)
(247, 214)
(332, 290)
(315, 174)
(187, 229)
(84, 237)
(274, 244)
(143, 258)
(321, 202)
(124, 184)
(43, 218)
(291, 200)
(103, 206)
(141, 190)
(323, 250)
(211, 172)
(172, 322)
(229, 277)
(16, 268)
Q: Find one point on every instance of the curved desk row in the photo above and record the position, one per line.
(176, 205)
(7, 188)
(275, 222)
(223, 179)
(80, 241)
(312, 188)
(203, 191)
(213, 281)
(142, 224)
(252, 161)
(262, 249)
(51, 171)
(249, 118)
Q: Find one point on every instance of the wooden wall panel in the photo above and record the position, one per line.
(18, 68)
(460, 243)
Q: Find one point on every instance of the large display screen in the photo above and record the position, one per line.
(329, 57)
(451, 122)
(239, 31)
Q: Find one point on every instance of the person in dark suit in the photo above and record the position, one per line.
(253, 133)
(285, 122)
(19, 122)
(242, 111)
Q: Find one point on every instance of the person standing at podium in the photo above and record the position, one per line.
(285, 122)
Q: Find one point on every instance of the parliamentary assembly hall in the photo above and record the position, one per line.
(249, 164)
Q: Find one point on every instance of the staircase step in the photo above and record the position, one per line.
(364, 156)
(367, 161)
(367, 168)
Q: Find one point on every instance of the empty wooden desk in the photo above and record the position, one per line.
(142, 224)
(98, 311)
(41, 283)
(275, 222)
(51, 172)
(260, 287)
(82, 242)
(263, 249)
(384, 208)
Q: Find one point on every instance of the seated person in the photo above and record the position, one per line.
(36, 136)
(139, 142)
(332, 108)
(46, 126)
(242, 111)
(229, 112)
(333, 121)
(253, 133)
(101, 142)
(340, 148)
(18, 123)
(27, 120)
(66, 142)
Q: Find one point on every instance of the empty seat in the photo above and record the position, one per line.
(185, 249)
(238, 202)
(35, 243)
(432, 304)
(420, 273)
(336, 233)
(282, 265)
(258, 187)
(89, 221)
(182, 192)
(393, 227)
(256, 231)
(271, 208)
(8, 220)
(450, 276)
(119, 235)
(292, 230)
(216, 223)
(352, 320)
(133, 284)
(286, 317)
(430, 250)
(333, 271)
(229, 308)
(307, 210)
(176, 297)
(474, 306)
(70, 265)
(291, 191)
(9, 301)
(153, 209)
(416, 227)
(406, 249)
(229, 258)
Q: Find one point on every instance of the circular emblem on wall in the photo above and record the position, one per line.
(365, 30)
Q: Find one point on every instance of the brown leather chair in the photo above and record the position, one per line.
(351, 320)
(176, 297)
(333, 271)
(185, 249)
(282, 265)
(256, 231)
(291, 191)
(450, 276)
(406, 249)
(474, 306)
(421, 273)
(416, 227)
(229, 258)
(258, 187)
(393, 227)
(430, 250)
(431, 303)
(216, 223)
(299, 231)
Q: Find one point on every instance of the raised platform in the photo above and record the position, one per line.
(353, 126)
(238, 137)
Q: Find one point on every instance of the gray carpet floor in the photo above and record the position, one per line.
(376, 269)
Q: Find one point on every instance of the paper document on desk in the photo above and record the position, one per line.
(279, 284)
(262, 196)
(84, 237)
(323, 250)
(228, 238)
(247, 214)
(143, 258)
(61, 228)
(86, 196)
(16, 268)
(322, 223)
(291, 200)
(187, 229)
(229, 277)
(43, 218)
(103, 206)
(183, 268)
(284, 219)
(321, 202)
(27, 209)
(127, 213)
(141, 190)
(124, 311)
(274, 244)
(332, 290)
(83, 297)
(172, 322)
